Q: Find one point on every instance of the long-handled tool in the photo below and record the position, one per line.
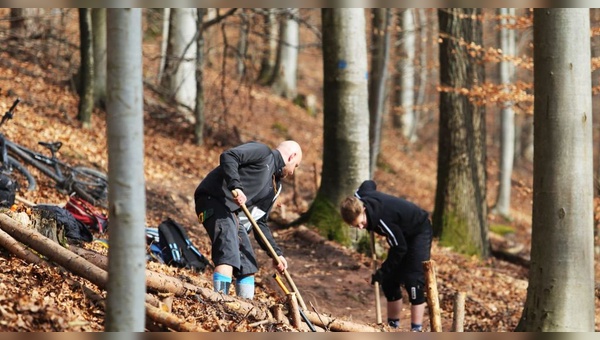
(287, 292)
(374, 265)
(271, 251)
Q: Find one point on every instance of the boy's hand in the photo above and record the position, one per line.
(377, 277)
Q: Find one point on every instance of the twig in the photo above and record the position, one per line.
(258, 323)
(319, 315)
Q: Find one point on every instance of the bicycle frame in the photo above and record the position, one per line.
(50, 166)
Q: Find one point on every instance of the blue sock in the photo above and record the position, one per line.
(244, 287)
(394, 323)
(221, 283)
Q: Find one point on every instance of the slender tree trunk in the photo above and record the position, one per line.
(507, 126)
(560, 296)
(269, 46)
(406, 72)
(242, 46)
(127, 196)
(200, 121)
(287, 71)
(26, 22)
(99, 41)
(86, 73)
(163, 44)
(180, 69)
(423, 69)
(345, 118)
(378, 80)
(460, 214)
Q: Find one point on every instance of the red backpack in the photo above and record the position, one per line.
(85, 212)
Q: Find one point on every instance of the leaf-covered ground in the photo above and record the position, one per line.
(332, 279)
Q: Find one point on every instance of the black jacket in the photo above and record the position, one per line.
(254, 168)
(395, 218)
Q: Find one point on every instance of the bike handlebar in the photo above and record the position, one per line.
(9, 114)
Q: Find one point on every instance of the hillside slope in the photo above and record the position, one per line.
(331, 278)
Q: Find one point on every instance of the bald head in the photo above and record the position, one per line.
(292, 156)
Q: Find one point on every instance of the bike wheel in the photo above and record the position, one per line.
(21, 175)
(91, 185)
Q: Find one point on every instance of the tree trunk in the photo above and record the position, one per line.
(154, 281)
(99, 41)
(163, 44)
(269, 46)
(405, 72)
(26, 22)
(507, 133)
(127, 196)
(242, 45)
(560, 296)
(199, 109)
(171, 320)
(180, 69)
(423, 72)
(345, 118)
(54, 251)
(460, 214)
(285, 76)
(337, 325)
(86, 73)
(378, 81)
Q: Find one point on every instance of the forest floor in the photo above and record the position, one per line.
(331, 278)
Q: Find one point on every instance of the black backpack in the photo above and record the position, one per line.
(177, 249)
(8, 190)
(74, 229)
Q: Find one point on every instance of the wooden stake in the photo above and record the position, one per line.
(374, 267)
(432, 296)
(458, 320)
(294, 310)
(278, 314)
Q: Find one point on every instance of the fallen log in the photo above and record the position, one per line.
(171, 321)
(168, 284)
(12, 231)
(154, 281)
(507, 250)
(54, 251)
(337, 325)
(16, 248)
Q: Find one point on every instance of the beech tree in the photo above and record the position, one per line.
(507, 125)
(286, 72)
(179, 76)
(125, 303)
(86, 69)
(268, 57)
(406, 115)
(99, 48)
(460, 213)
(345, 116)
(380, 40)
(560, 296)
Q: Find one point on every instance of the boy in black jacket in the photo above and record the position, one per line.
(254, 171)
(408, 231)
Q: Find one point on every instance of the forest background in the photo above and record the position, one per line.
(234, 105)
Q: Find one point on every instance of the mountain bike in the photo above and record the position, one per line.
(87, 183)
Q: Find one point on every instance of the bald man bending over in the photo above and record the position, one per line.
(254, 171)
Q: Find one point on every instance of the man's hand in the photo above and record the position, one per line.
(377, 277)
(239, 197)
(282, 264)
